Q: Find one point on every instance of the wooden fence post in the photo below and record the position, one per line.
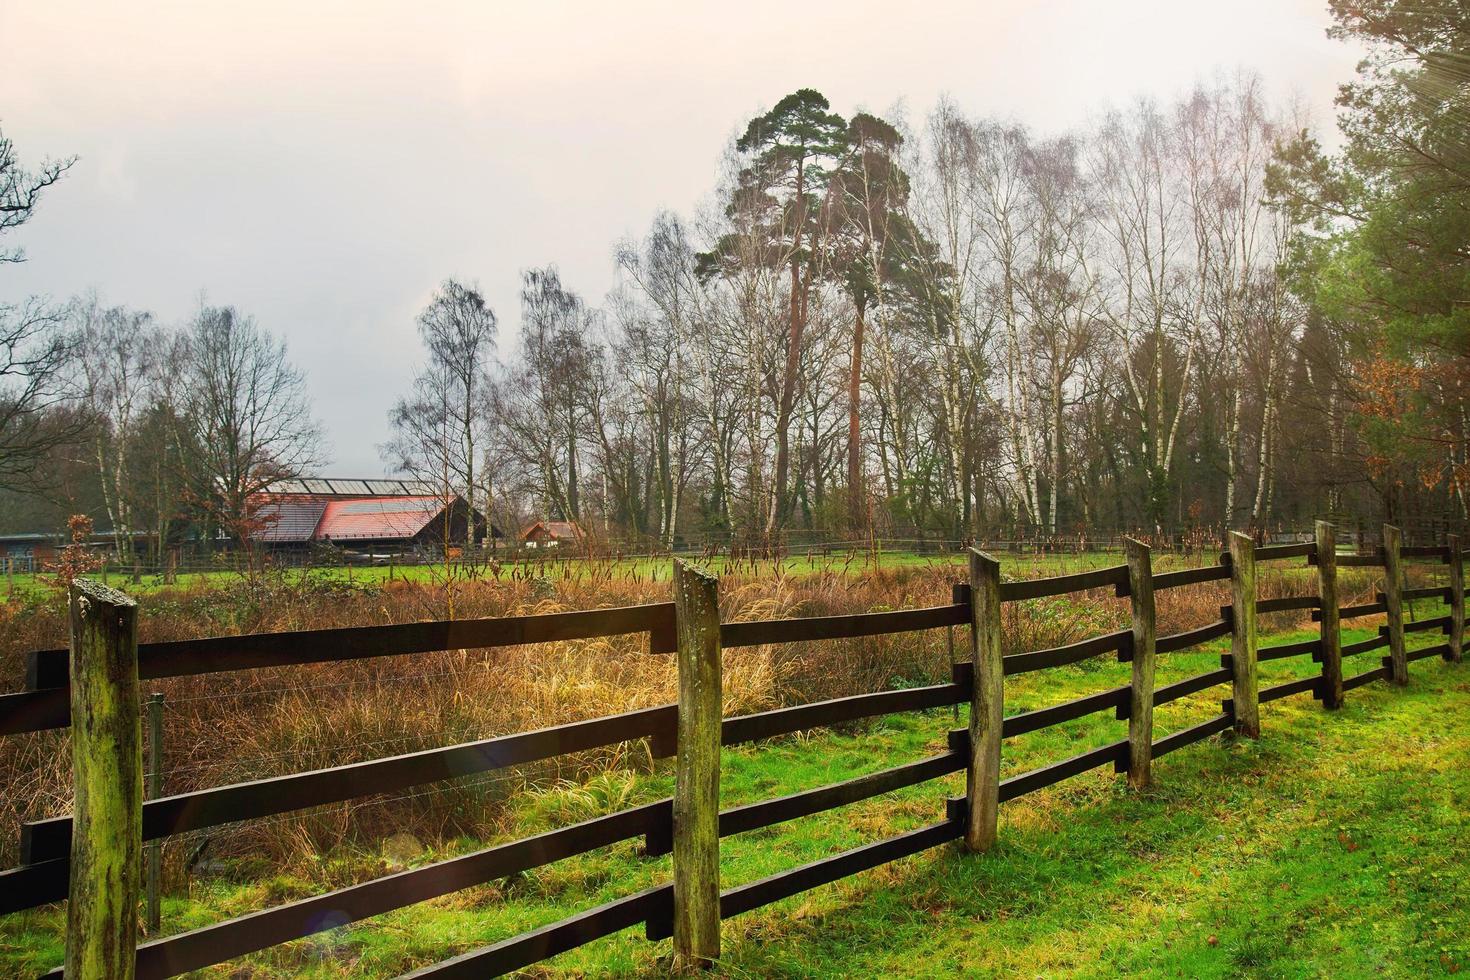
(697, 769)
(107, 772)
(1141, 696)
(1393, 600)
(1331, 634)
(1243, 634)
(987, 704)
(1457, 600)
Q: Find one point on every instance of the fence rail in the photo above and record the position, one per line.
(689, 908)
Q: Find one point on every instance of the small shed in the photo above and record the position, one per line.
(553, 534)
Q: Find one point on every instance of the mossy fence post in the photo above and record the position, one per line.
(987, 709)
(1141, 690)
(697, 770)
(107, 773)
(1393, 602)
(1456, 558)
(1244, 692)
(1331, 623)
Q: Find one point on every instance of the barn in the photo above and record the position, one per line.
(368, 518)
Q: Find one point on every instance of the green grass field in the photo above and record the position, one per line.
(1333, 846)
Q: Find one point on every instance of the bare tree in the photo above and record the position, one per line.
(115, 352)
(34, 345)
(249, 414)
(439, 430)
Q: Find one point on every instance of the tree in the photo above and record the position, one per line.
(540, 405)
(789, 153)
(440, 429)
(1384, 246)
(1146, 221)
(868, 200)
(249, 414)
(115, 353)
(34, 346)
(654, 353)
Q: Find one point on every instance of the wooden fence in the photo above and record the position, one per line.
(93, 856)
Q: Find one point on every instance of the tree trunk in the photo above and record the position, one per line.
(855, 497)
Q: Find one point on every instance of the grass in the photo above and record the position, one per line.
(638, 569)
(1334, 845)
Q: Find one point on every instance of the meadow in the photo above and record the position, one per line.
(1327, 847)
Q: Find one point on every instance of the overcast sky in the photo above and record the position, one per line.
(323, 166)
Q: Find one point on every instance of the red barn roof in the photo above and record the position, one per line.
(378, 517)
(297, 517)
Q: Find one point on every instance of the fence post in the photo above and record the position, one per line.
(1393, 600)
(697, 769)
(987, 708)
(153, 911)
(107, 771)
(1457, 600)
(1243, 634)
(1331, 623)
(1141, 697)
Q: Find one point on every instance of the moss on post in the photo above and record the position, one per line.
(107, 771)
(1243, 635)
(1393, 601)
(697, 770)
(1141, 691)
(987, 708)
(1331, 634)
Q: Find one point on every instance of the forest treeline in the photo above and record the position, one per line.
(1183, 314)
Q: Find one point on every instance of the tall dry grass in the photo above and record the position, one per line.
(226, 728)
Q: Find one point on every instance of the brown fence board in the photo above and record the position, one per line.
(1364, 646)
(1283, 650)
(1441, 592)
(1175, 642)
(1030, 782)
(51, 838)
(1355, 612)
(1367, 677)
(558, 937)
(1424, 653)
(1036, 588)
(1021, 663)
(251, 651)
(1286, 603)
(1190, 576)
(746, 898)
(1286, 690)
(1425, 551)
(1190, 685)
(32, 885)
(1306, 549)
(1188, 736)
(1030, 721)
(34, 711)
(783, 721)
(1360, 561)
(1426, 625)
(766, 813)
(758, 632)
